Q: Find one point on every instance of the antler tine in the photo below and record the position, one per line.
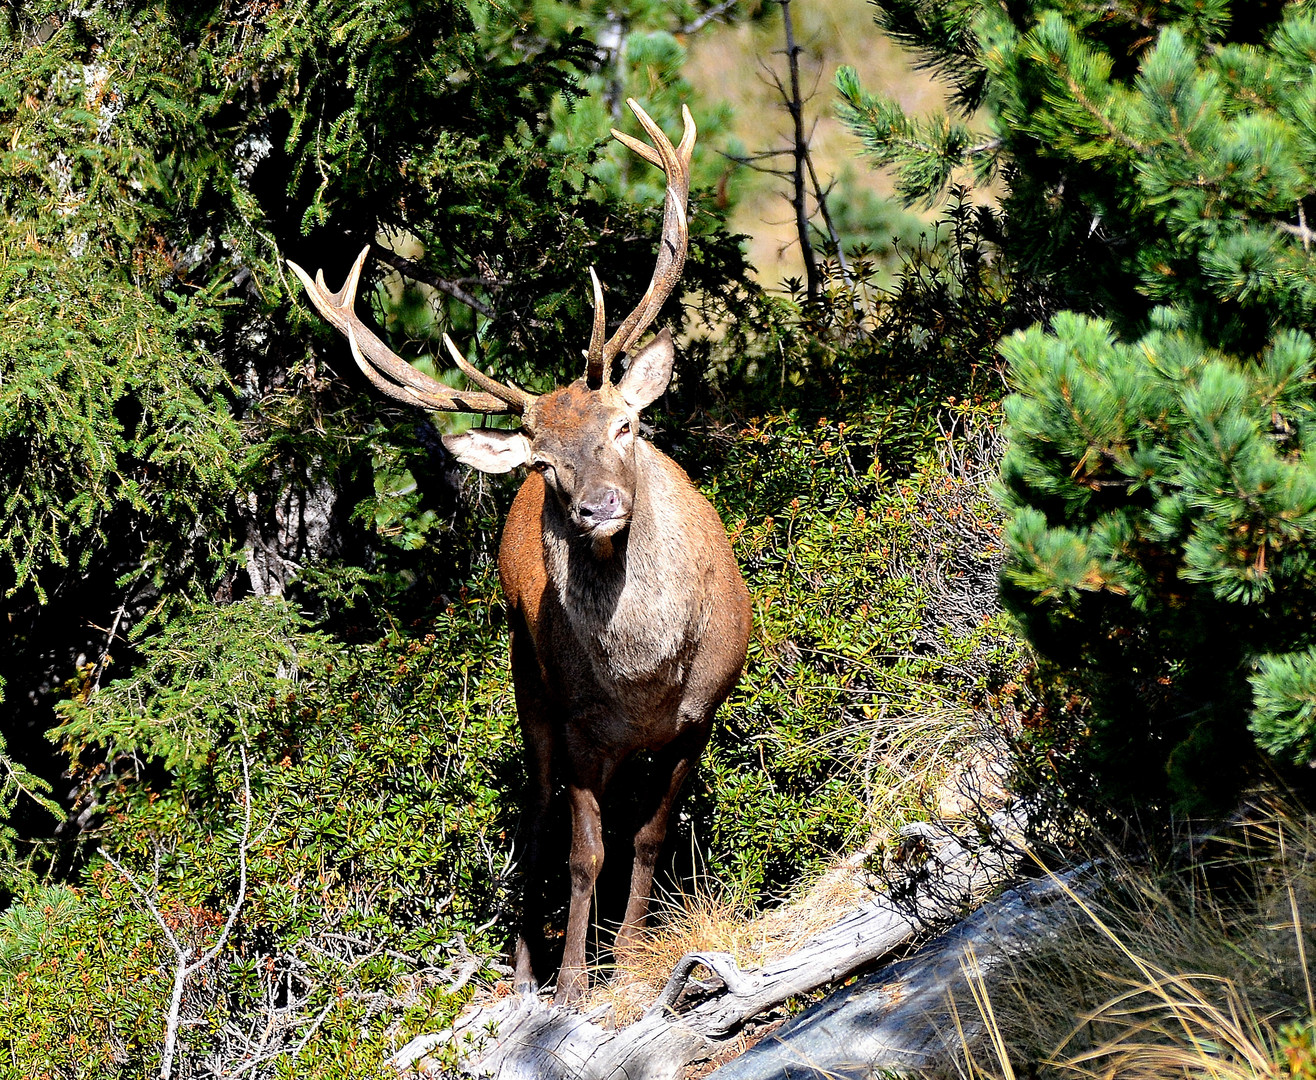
(386, 370)
(671, 249)
(676, 236)
(596, 366)
(518, 399)
(687, 148)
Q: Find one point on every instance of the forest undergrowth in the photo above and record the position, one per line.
(259, 762)
(363, 787)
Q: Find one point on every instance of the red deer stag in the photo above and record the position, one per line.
(629, 619)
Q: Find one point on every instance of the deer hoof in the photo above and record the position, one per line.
(571, 986)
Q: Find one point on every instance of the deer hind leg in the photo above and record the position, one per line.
(537, 738)
(586, 862)
(671, 766)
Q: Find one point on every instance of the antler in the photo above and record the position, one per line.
(393, 375)
(675, 162)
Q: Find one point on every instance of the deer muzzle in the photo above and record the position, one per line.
(602, 511)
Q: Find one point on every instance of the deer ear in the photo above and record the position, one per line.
(649, 372)
(490, 450)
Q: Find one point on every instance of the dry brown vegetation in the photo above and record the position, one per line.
(706, 921)
(1194, 969)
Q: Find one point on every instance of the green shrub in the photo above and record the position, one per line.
(877, 644)
(384, 775)
(382, 785)
(82, 984)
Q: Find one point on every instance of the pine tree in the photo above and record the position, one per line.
(1159, 159)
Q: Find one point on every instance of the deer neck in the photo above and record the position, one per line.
(636, 577)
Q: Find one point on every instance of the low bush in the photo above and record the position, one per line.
(377, 777)
(877, 646)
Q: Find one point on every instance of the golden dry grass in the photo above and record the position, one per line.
(1200, 972)
(706, 921)
(709, 921)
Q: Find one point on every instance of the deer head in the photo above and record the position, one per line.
(581, 437)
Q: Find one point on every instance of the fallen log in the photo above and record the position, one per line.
(526, 1038)
(899, 1018)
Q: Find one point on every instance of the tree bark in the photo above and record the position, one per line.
(799, 200)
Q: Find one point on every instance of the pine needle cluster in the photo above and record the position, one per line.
(1158, 161)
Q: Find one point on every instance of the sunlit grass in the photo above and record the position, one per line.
(1195, 970)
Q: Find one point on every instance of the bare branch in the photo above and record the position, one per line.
(715, 12)
(1300, 230)
(213, 951)
(820, 196)
(795, 106)
(150, 904)
(747, 159)
(185, 965)
(416, 272)
(750, 161)
(109, 643)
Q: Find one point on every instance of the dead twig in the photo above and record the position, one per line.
(186, 966)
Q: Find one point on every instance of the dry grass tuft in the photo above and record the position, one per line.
(1196, 970)
(706, 921)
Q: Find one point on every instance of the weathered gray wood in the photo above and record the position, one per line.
(899, 1018)
(527, 1038)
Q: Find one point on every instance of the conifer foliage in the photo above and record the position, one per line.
(176, 426)
(1158, 160)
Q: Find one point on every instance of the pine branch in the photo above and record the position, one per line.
(941, 35)
(924, 154)
(1089, 106)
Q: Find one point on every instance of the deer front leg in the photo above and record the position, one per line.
(586, 862)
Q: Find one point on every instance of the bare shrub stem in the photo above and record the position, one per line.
(185, 966)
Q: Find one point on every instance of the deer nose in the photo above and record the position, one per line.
(600, 506)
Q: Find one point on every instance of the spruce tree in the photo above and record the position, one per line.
(1158, 160)
(177, 427)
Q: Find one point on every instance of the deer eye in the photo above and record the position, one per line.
(625, 428)
(540, 466)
